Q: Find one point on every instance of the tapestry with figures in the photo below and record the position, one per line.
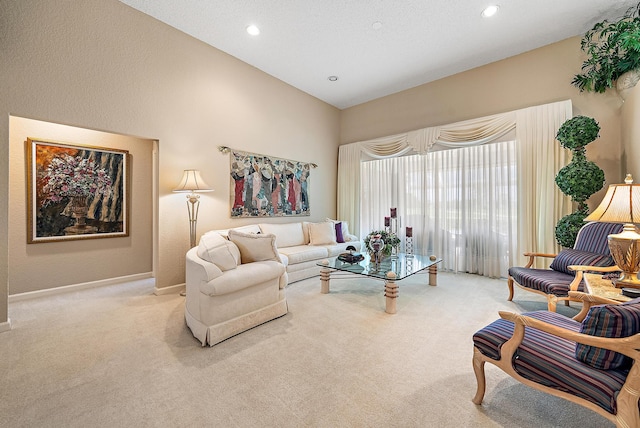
(265, 186)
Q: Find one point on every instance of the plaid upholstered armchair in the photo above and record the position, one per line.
(591, 249)
(592, 360)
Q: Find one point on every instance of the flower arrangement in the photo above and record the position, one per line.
(390, 240)
(68, 176)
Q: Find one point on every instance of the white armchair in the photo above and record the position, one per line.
(233, 285)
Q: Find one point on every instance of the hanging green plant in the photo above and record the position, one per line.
(579, 179)
(612, 48)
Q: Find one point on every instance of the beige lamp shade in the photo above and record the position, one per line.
(621, 204)
(192, 182)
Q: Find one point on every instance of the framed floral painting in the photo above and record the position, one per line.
(76, 192)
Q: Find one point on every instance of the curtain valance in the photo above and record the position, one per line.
(540, 203)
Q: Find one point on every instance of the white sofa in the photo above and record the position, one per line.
(233, 285)
(303, 244)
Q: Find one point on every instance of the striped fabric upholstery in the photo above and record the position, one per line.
(570, 257)
(591, 248)
(545, 280)
(609, 321)
(549, 360)
(592, 237)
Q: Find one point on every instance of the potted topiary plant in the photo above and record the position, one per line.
(613, 50)
(580, 178)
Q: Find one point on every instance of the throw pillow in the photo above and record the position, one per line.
(339, 237)
(215, 249)
(322, 234)
(255, 247)
(345, 226)
(570, 257)
(608, 321)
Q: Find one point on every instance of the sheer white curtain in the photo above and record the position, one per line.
(539, 157)
(460, 203)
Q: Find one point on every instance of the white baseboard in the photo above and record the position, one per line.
(173, 289)
(5, 326)
(75, 287)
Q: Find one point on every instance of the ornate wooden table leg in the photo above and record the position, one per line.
(325, 273)
(390, 292)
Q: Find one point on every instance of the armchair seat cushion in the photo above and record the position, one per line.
(545, 280)
(243, 276)
(550, 360)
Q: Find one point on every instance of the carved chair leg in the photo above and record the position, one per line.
(478, 368)
(510, 285)
(552, 301)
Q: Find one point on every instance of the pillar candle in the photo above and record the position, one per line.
(387, 221)
(394, 212)
(409, 232)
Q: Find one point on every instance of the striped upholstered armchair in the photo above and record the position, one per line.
(592, 360)
(591, 249)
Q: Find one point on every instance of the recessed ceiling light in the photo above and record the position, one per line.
(253, 30)
(332, 78)
(489, 11)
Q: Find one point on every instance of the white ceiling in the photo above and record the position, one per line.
(303, 42)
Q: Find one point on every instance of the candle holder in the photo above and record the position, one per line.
(393, 228)
(408, 246)
(408, 242)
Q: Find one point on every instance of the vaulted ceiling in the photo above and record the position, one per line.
(376, 47)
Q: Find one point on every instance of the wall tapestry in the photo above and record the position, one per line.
(76, 192)
(264, 186)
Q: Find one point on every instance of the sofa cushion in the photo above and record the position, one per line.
(245, 276)
(570, 257)
(612, 321)
(255, 247)
(217, 250)
(287, 234)
(305, 231)
(304, 253)
(322, 233)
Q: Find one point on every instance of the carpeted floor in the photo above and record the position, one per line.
(119, 356)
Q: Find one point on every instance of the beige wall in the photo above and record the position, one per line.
(537, 77)
(74, 262)
(99, 64)
(631, 134)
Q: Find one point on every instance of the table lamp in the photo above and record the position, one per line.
(193, 183)
(621, 204)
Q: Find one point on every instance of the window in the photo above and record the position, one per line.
(462, 204)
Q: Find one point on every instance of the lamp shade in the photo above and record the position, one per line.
(192, 182)
(621, 204)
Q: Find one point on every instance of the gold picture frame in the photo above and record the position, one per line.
(76, 192)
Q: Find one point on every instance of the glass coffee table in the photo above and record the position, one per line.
(390, 271)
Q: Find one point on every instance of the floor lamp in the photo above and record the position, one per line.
(621, 204)
(192, 183)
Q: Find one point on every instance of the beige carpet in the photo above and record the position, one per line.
(119, 356)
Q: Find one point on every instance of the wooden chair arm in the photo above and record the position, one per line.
(588, 300)
(629, 346)
(585, 268)
(532, 257)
